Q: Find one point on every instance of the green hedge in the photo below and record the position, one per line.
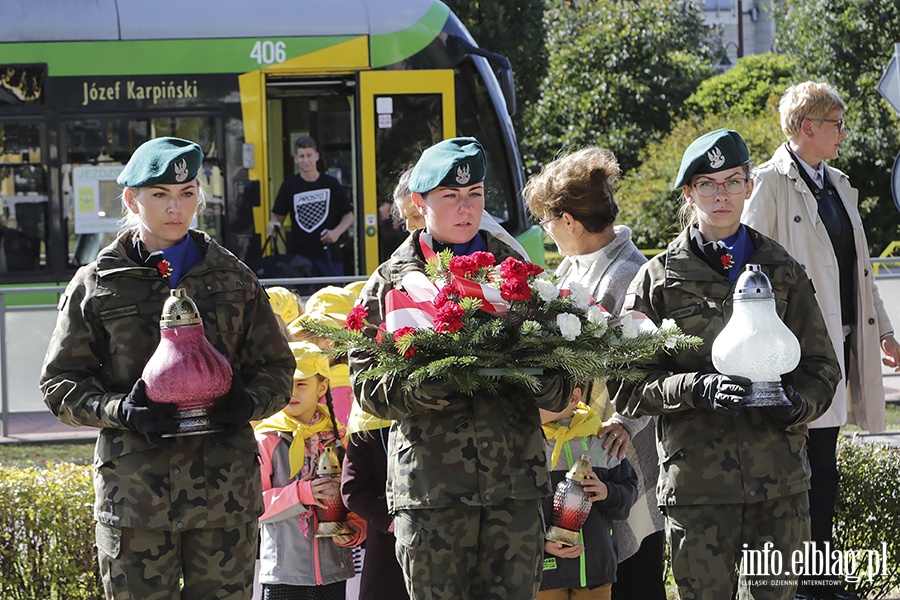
(868, 511)
(47, 527)
(47, 514)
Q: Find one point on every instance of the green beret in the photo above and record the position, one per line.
(162, 161)
(710, 153)
(457, 162)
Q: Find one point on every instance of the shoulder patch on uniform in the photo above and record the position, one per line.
(687, 311)
(549, 564)
(117, 313)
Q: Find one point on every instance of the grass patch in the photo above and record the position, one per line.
(26, 455)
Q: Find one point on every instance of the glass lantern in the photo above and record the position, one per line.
(755, 343)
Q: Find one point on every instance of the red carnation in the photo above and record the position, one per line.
(516, 269)
(379, 335)
(484, 259)
(356, 319)
(462, 266)
(404, 331)
(449, 318)
(445, 293)
(515, 289)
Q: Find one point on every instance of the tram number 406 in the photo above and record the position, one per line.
(268, 52)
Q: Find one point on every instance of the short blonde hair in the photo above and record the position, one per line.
(581, 184)
(807, 100)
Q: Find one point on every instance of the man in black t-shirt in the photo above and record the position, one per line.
(319, 209)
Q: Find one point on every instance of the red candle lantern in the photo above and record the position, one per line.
(186, 370)
(571, 504)
(333, 518)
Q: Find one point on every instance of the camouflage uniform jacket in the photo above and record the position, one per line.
(106, 331)
(707, 457)
(446, 448)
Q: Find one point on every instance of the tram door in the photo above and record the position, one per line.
(323, 110)
(401, 114)
(368, 129)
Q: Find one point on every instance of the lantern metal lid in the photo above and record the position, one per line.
(179, 310)
(329, 464)
(753, 284)
(579, 470)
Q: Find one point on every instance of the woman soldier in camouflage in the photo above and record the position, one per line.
(176, 517)
(465, 474)
(732, 478)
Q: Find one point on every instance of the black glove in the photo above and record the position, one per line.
(788, 414)
(232, 410)
(721, 393)
(149, 418)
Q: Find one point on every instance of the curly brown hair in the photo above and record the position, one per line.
(581, 184)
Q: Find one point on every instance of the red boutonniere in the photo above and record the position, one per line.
(727, 261)
(164, 267)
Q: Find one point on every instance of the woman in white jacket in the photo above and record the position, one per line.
(811, 209)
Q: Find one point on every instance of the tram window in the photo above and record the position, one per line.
(109, 143)
(476, 116)
(24, 195)
(414, 125)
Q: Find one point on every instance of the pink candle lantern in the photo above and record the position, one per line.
(571, 504)
(333, 518)
(186, 370)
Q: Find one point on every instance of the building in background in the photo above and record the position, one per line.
(740, 27)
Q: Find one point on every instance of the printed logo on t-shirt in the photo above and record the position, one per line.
(311, 209)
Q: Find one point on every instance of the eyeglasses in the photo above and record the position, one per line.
(839, 123)
(543, 224)
(708, 188)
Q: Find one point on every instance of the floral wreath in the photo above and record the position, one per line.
(475, 323)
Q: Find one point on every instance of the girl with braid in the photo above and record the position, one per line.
(294, 563)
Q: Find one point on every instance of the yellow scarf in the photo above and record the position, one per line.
(281, 421)
(584, 422)
(360, 420)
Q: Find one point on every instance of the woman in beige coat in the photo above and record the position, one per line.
(811, 209)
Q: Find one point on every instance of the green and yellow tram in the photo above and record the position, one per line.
(84, 82)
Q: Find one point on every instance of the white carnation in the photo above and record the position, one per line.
(569, 325)
(546, 289)
(595, 314)
(629, 329)
(668, 328)
(581, 296)
(600, 318)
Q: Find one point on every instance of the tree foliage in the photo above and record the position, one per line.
(848, 43)
(515, 29)
(749, 88)
(618, 71)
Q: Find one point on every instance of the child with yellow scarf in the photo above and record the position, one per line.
(294, 563)
(590, 566)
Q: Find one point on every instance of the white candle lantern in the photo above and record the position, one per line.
(755, 343)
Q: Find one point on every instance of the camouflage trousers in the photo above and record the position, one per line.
(471, 552)
(142, 564)
(712, 544)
